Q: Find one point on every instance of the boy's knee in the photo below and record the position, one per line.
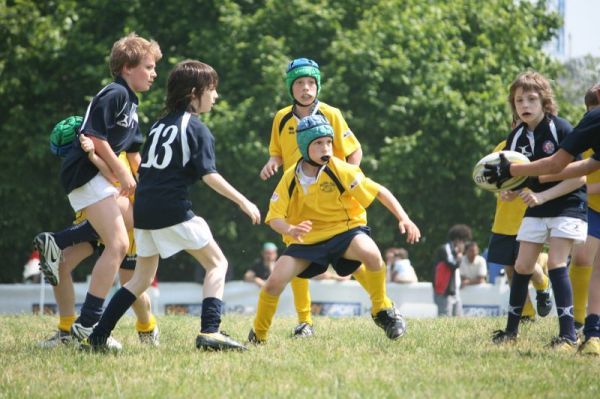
(274, 286)
(373, 262)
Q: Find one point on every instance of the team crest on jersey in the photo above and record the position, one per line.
(327, 187)
(291, 130)
(274, 197)
(347, 133)
(548, 147)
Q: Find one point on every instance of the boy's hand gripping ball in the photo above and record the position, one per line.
(492, 172)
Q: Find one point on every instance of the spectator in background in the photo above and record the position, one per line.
(473, 267)
(390, 256)
(31, 270)
(446, 271)
(402, 270)
(260, 271)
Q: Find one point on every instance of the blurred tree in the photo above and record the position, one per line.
(422, 84)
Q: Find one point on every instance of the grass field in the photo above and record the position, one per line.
(349, 358)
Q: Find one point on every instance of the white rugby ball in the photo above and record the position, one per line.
(494, 159)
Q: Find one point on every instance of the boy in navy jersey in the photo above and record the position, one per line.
(586, 135)
(561, 221)
(180, 150)
(111, 122)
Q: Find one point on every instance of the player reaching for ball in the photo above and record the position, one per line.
(561, 221)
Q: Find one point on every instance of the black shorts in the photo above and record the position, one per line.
(503, 249)
(328, 252)
(128, 262)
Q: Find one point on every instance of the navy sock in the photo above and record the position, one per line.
(75, 234)
(592, 326)
(91, 310)
(518, 293)
(211, 315)
(115, 309)
(563, 297)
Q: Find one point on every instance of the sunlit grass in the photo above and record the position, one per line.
(349, 358)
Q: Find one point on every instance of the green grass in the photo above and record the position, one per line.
(349, 358)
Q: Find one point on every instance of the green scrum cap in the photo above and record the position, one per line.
(299, 68)
(63, 135)
(309, 129)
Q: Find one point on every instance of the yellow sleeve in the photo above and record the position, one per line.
(274, 144)
(278, 205)
(344, 139)
(363, 189)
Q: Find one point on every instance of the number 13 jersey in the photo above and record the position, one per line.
(179, 150)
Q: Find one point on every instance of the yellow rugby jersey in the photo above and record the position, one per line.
(283, 135)
(335, 203)
(594, 177)
(509, 214)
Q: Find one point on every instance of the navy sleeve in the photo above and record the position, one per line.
(585, 135)
(202, 150)
(102, 114)
(136, 143)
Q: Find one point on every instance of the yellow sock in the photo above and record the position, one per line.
(65, 322)
(580, 281)
(302, 299)
(146, 327)
(543, 286)
(375, 286)
(528, 310)
(267, 306)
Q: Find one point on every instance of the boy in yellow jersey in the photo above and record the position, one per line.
(319, 209)
(303, 82)
(64, 293)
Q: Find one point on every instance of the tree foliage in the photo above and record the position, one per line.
(422, 84)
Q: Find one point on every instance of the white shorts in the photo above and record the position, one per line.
(192, 234)
(539, 230)
(91, 192)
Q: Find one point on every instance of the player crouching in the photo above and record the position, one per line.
(319, 208)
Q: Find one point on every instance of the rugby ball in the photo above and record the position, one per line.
(494, 159)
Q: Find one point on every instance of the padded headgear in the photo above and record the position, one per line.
(301, 67)
(309, 129)
(63, 134)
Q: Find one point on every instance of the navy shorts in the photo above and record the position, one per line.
(593, 223)
(328, 252)
(128, 262)
(503, 249)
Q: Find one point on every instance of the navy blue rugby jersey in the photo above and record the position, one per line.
(585, 135)
(111, 116)
(180, 150)
(542, 143)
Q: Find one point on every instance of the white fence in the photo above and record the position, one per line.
(331, 298)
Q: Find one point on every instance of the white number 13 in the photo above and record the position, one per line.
(170, 132)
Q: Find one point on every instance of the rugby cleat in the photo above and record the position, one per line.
(544, 302)
(253, 339)
(563, 344)
(79, 332)
(217, 341)
(151, 338)
(504, 337)
(110, 346)
(590, 347)
(391, 321)
(303, 330)
(60, 337)
(50, 256)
